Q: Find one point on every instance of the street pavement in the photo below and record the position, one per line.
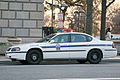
(108, 69)
(85, 79)
(116, 59)
(61, 71)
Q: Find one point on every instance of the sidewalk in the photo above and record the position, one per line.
(3, 58)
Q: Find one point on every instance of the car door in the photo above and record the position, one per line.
(58, 47)
(79, 45)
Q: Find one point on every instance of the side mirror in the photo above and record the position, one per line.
(52, 41)
(47, 39)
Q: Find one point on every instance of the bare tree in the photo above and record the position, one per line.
(103, 18)
(89, 20)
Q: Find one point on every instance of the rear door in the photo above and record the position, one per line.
(79, 45)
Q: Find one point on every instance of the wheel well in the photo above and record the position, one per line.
(96, 49)
(35, 49)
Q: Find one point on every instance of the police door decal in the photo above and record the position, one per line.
(58, 47)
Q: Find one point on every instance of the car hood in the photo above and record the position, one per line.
(29, 45)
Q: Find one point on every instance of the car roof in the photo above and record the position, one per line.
(75, 33)
(72, 33)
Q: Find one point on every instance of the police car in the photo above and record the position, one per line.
(63, 46)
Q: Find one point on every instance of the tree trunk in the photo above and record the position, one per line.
(103, 18)
(89, 19)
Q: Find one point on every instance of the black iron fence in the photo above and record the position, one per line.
(47, 30)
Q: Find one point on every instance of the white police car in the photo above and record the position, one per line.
(61, 46)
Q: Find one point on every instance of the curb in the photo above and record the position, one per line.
(5, 60)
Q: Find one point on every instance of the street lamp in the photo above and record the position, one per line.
(61, 14)
(78, 13)
(60, 6)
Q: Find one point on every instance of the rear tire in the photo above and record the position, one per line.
(94, 56)
(34, 57)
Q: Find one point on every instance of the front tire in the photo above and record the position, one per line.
(94, 56)
(34, 57)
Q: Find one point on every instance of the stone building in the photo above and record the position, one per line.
(21, 18)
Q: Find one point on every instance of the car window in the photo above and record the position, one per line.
(89, 38)
(47, 38)
(80, 38)
(61, 38)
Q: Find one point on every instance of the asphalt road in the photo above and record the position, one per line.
(57, 70)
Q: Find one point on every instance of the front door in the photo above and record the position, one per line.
(58, 48)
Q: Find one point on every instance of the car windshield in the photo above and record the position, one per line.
(47, 38)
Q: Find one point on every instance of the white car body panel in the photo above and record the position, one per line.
(20, 56)
(75, 50)
(52, 54)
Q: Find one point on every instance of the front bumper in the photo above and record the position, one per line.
(16, 55)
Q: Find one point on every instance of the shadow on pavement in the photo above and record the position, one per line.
(5, 61)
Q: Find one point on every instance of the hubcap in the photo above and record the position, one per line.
(34, 57)
(95, 56)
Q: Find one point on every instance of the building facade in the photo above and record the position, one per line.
(21, 18)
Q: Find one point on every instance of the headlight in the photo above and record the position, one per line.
(15, 49)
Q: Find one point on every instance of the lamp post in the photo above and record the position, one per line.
(78, 13)
(60, 6)
(62, 10)
(61, 15)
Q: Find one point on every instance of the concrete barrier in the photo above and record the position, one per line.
(117, 45)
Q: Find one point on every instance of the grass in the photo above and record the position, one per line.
(5, 44)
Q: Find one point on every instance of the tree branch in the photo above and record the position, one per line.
(110, 3)
(71, 2)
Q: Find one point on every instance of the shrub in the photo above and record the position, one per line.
(5, 44)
